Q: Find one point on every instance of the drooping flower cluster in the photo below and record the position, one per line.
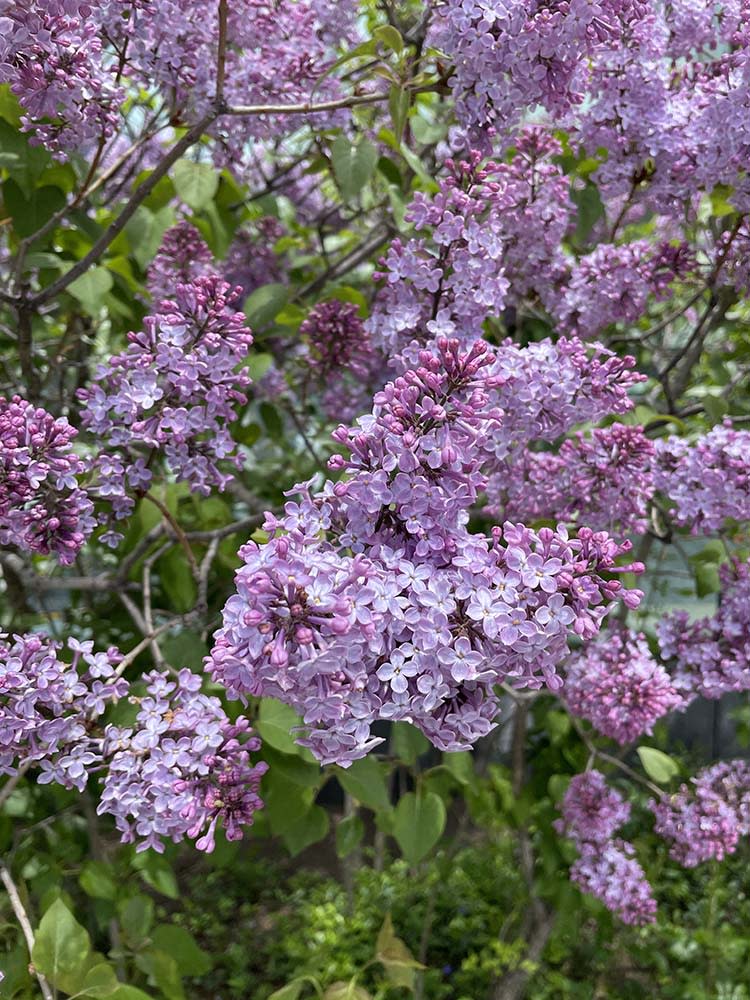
(178, 771)
(614, 284)
(603, 480)
(183, 256)
(42, 507)
(181, 769)
(489, 225)
(173, 393)
(51, 54)
(617, 685)
(70, 63)
(708, 481)
(606, 867)
(46, 706)
(712, 655)
(707, 820)
(340, 357)
(378, 603)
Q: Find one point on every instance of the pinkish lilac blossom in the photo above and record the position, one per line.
(708, 481)
(617, 685)
(43, 507)
(711, 656)
(172, 394)
(603, 480)
(182, 257)
(606, 868)
(182, 769)
(372, 600)
(706, 820)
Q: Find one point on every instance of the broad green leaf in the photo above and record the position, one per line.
(164, 970)
(398, 105)
(349, 833)
(390, 37)
(365, 782)
(707, 579)
(129, 993)
(191, 959)
(293, 767)
(272, 420)
(258, 365)
(461, 765)
(61, 948)
(145, 231)
(418, 825)
(292, 990)
(90, 289)
(30, 212)
(136, 917)
(311, 828)
(407, 742)
(100, 981)
(97, 880)
(177, 579)
(195, 183)
(157, 872)
(264, 304)
(391, 952)
(353, 165)
(346, 991)
(275, 722)
(286, 803)
(557, 724)
(186, 649)
(658, 766)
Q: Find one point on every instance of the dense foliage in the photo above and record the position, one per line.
(374, 494)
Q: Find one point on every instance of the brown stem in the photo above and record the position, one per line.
(23, 919)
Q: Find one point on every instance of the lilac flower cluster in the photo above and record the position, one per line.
(42, 506)
(47, 705)
(51, 54)
(606, 867)
(712, 655)
(340, 356)
(70, 62)
(510, 56)
(707, 820)
(614, 284)
(173, 392)
(178, 771)
(708, 481)
(183, 256)
(618, 686)
(489, 225)
(603, 480)
(181, 769)
(372, 600)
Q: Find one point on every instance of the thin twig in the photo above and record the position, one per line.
(23, 919)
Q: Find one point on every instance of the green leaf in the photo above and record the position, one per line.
(164, 970)
(392, 953)
(90, 288)
(557, 724)
(272, 420)
(346, 991)
(195, 183)
(275, 722)
(129, 993)
(157, 872)
(311, 828)
(461, 765)
(97, 880)
(136, 917)
(293, 767)
(418, 825)
(286, 803)
(407, 742)
(182, 946)
(100, 981)
(258, 365)
(292, 990)
(61, 948)
(349, 833)
(398, 105)
(177, 579)
(658, 766)
(264, 304)
(365, 782)
(145, 231)
(353, 165)
(186, 649)
(29, 213)
(390, 37)
(707, 579)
